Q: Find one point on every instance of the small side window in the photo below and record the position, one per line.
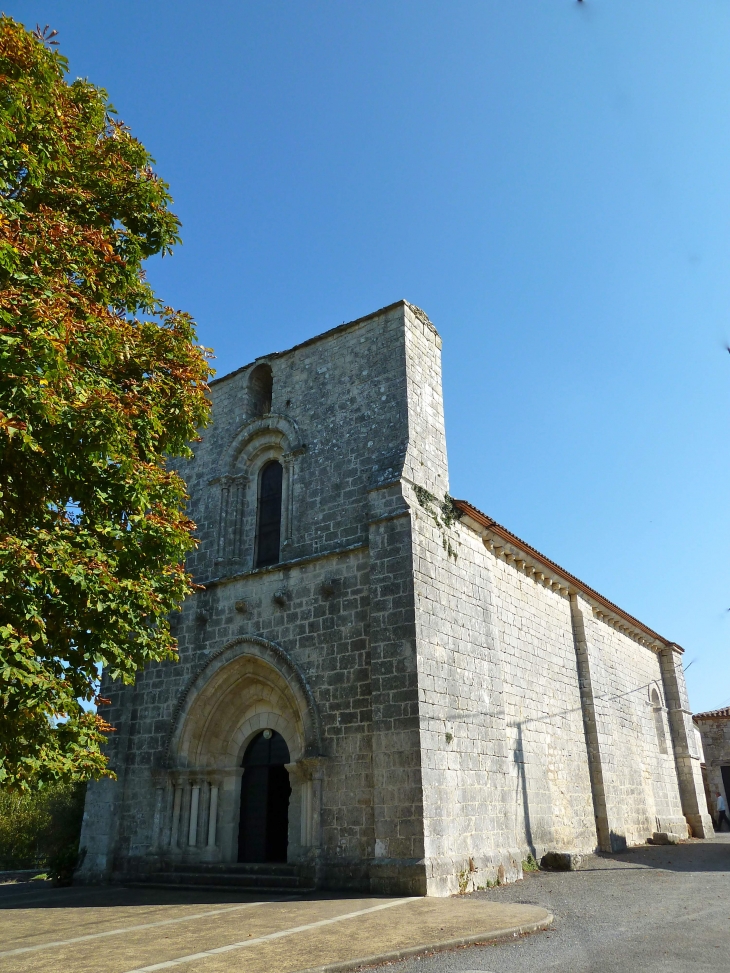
(260, 390)
(268, 538)
(656, 705)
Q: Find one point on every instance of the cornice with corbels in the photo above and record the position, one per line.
(509, 548)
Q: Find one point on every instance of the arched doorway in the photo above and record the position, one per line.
(250, 686)
(263, 833)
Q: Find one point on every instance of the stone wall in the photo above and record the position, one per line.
(642, 792)
(715, 732)
(549, 774)
(468, 815)
(504, 720)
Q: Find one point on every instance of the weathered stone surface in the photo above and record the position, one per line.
(448, 707)
(714, 731)
(561, 861)
(663, 838)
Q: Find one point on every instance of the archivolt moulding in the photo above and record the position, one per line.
(269, 653)
(270, 430)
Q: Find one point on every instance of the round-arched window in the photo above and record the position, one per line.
(656, 705)
(260, 389)
(268, 534)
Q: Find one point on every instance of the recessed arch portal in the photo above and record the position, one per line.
(249, 687)
(226, 667)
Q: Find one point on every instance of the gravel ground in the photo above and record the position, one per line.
(647, 910)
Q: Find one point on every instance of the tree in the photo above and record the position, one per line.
(99, 383)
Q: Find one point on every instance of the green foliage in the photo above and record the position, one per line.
(463, 881)
(23, 819)
(424, 497)
(450, 513)
(41, 829)
(99, 383)
(444, 515)
(530, 864)
(490, 884)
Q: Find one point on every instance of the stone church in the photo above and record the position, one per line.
(379, 687)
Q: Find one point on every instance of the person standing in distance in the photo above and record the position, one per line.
(721, 812)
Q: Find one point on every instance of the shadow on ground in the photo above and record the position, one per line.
(42, 895)
(689, 856)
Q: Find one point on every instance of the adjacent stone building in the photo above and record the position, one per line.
(714, 730)
(379, 687)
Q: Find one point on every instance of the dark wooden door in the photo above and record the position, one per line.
(263, 834)
(254, 805)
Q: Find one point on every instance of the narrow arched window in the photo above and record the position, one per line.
(656, 705)
(269, 515)
(260, 389)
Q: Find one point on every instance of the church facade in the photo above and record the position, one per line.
(379, 687)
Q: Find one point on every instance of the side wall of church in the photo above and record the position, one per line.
(637, 752)
(503, 719)
(504, 751)
(468, 820)
(550, 786)
(505, 748)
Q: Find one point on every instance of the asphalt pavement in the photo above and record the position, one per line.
(663, 909)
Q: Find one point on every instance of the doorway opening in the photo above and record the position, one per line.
(263, 833)
(725, 774)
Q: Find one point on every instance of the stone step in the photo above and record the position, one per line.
(235, 868)
(250, 881)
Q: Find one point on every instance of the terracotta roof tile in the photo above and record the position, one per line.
(491, 524)
(713, 714)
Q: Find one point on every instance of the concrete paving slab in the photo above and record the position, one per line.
(130, 931)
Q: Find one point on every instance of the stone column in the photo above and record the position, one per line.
(684, 742)
(212, 815)
(288, 461)
(597, 730)
(305, 776)
(223, 540)
(287, 498)
(298, 782)
(315, 829)
(194, 808)
(238, 495)
(157, 822)
(176, 809)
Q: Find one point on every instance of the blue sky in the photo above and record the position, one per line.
(548, 179)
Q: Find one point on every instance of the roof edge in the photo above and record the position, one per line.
(345, 326)
(481, 518)
(713, 714)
